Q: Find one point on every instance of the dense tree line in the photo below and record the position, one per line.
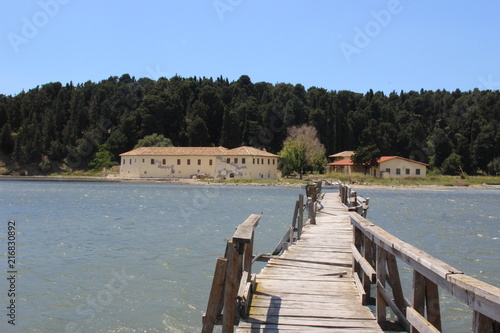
(55, 123)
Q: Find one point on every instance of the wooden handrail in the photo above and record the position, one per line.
(233, 281)
(423, 313)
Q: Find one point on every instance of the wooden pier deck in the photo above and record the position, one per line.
(310, 287)
(322, 274)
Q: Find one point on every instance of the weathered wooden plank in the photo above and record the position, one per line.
(273, 328)
(343, 313)
(215, 299)
(401, 316)
(479, 295)
(314, 321)
(361, 289)
(395, 283)
(432, 304)
(231, 289)
(244, 231)
(365, 265)
(286, 298)
(418, 322)
(301, 277)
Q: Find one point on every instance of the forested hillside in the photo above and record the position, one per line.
(55, 124)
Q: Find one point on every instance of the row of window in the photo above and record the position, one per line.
(407, 171)
(188, 161)
(258, 160)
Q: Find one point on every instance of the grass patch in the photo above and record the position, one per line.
(437, 180)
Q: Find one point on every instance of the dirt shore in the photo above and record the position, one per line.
(116, 178)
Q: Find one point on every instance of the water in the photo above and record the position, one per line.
(139, 257)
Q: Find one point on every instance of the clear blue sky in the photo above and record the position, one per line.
(338, 45)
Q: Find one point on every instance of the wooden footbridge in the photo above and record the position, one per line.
(325, 272)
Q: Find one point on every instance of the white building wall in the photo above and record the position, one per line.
(406, 169)
(246, 167)
(167, 166)
(243, 167)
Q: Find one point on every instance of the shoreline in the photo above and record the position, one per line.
(187, 181)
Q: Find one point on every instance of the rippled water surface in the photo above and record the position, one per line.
(139, 257)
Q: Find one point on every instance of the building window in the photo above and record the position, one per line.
(164, 161)
(388, 170)
(152, 161)
(178, 161)
(268, 161)
(398, 171)
(261, 161)
(142, 160)
(235, 160)
(417, 172)
(199, 162)
(123, 162)
(253, 161)
(243, 160)
(130, 161)
(258, 160)
(274, 161)
(188, 161)
(209, 162)
(228, 160)
(407, 171)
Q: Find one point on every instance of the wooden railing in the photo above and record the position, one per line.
(375, 257)
(233, 282)
(352, 200)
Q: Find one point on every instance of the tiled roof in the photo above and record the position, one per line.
(347, 153)
(345, 161)
(348, 161)
(197, 151)
(388, 158)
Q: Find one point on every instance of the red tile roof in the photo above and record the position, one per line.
(348, 161)
(197, 151)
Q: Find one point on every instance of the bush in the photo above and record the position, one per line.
(451, 165)
(5, 171)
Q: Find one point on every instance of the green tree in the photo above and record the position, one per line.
(6, 141)
(302, 149)
(452, 164)
(154, 140)
(367, 156)
(293, 157)
(197, 132)
(494, 166)
(102, 159)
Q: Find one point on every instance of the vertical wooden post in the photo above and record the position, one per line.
(483, 324)
(312, 211)
(356, 240)
(295, 214)
(382, 278)
(214, 307)
(231, 291)
(432, 303)
(301, 216)
(418, 300)
(249, 256)
(395, 283)
(368, 255)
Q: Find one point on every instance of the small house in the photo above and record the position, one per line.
(389, 166)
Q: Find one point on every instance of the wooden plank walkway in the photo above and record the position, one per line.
(310, 287)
